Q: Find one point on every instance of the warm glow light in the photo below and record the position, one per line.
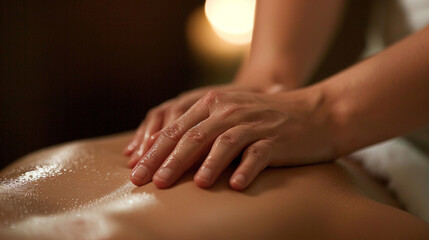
(232, 20)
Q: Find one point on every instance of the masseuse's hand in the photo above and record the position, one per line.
(259, 78)
(164, 114)
(271, 130)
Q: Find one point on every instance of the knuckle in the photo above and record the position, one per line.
(228, 140)
(229, 110)
(150, 160)
(256, 152)
(194, 135)
(212, 96)
(173, 132)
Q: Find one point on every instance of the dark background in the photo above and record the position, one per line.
(78, 69)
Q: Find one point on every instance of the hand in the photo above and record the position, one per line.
(253, 77)
(164, 114)
(271, 130)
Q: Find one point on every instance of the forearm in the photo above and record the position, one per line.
(290, 37)
(382, 97)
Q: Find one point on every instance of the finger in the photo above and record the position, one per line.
(166, 142)
(226, 147)
(172, 114)
(255, 159)
(153, 124)
(140, 134)
(194, 144)
(138, 137)
(152, 139)
(131, 147)
(183, 103)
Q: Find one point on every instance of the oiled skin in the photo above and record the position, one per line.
(325, 201)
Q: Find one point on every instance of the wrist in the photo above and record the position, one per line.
(311, 105)
(340, 115)
(323, 116)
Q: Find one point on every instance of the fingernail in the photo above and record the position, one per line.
(240, 179)
(140, 173)
(140, 152)
(205, 174)
(165, 174)
(130, 147)
(128, 150)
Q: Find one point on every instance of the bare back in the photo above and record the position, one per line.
(81, 190)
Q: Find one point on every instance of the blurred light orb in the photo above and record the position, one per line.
(232, 20)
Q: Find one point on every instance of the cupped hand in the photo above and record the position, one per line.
(269, 130)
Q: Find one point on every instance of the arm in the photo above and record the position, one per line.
(379, 98)
(382, 97)
(289, 40)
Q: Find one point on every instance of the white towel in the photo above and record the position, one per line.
(405, 168)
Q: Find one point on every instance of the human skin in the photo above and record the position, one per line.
(384, 96)
(223, 124)
(377, 99)
(292, 36)
(335, 200)
(289, 40)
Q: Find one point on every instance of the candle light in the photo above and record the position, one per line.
(232, 20)
(219, 36)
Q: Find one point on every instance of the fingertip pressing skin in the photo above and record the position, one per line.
(142, 138)
(136, 156)
(160, 183)
(139, 175)
(238, 182)
(219, 127)
(203, 178)
(130, 148)
(194, 143)
(135, 141)
(227, 146)
(163, 177)
(144, 147)
(170, 172)
(201, 183)
(153, 160)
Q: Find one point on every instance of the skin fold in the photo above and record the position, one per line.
(326, 201)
